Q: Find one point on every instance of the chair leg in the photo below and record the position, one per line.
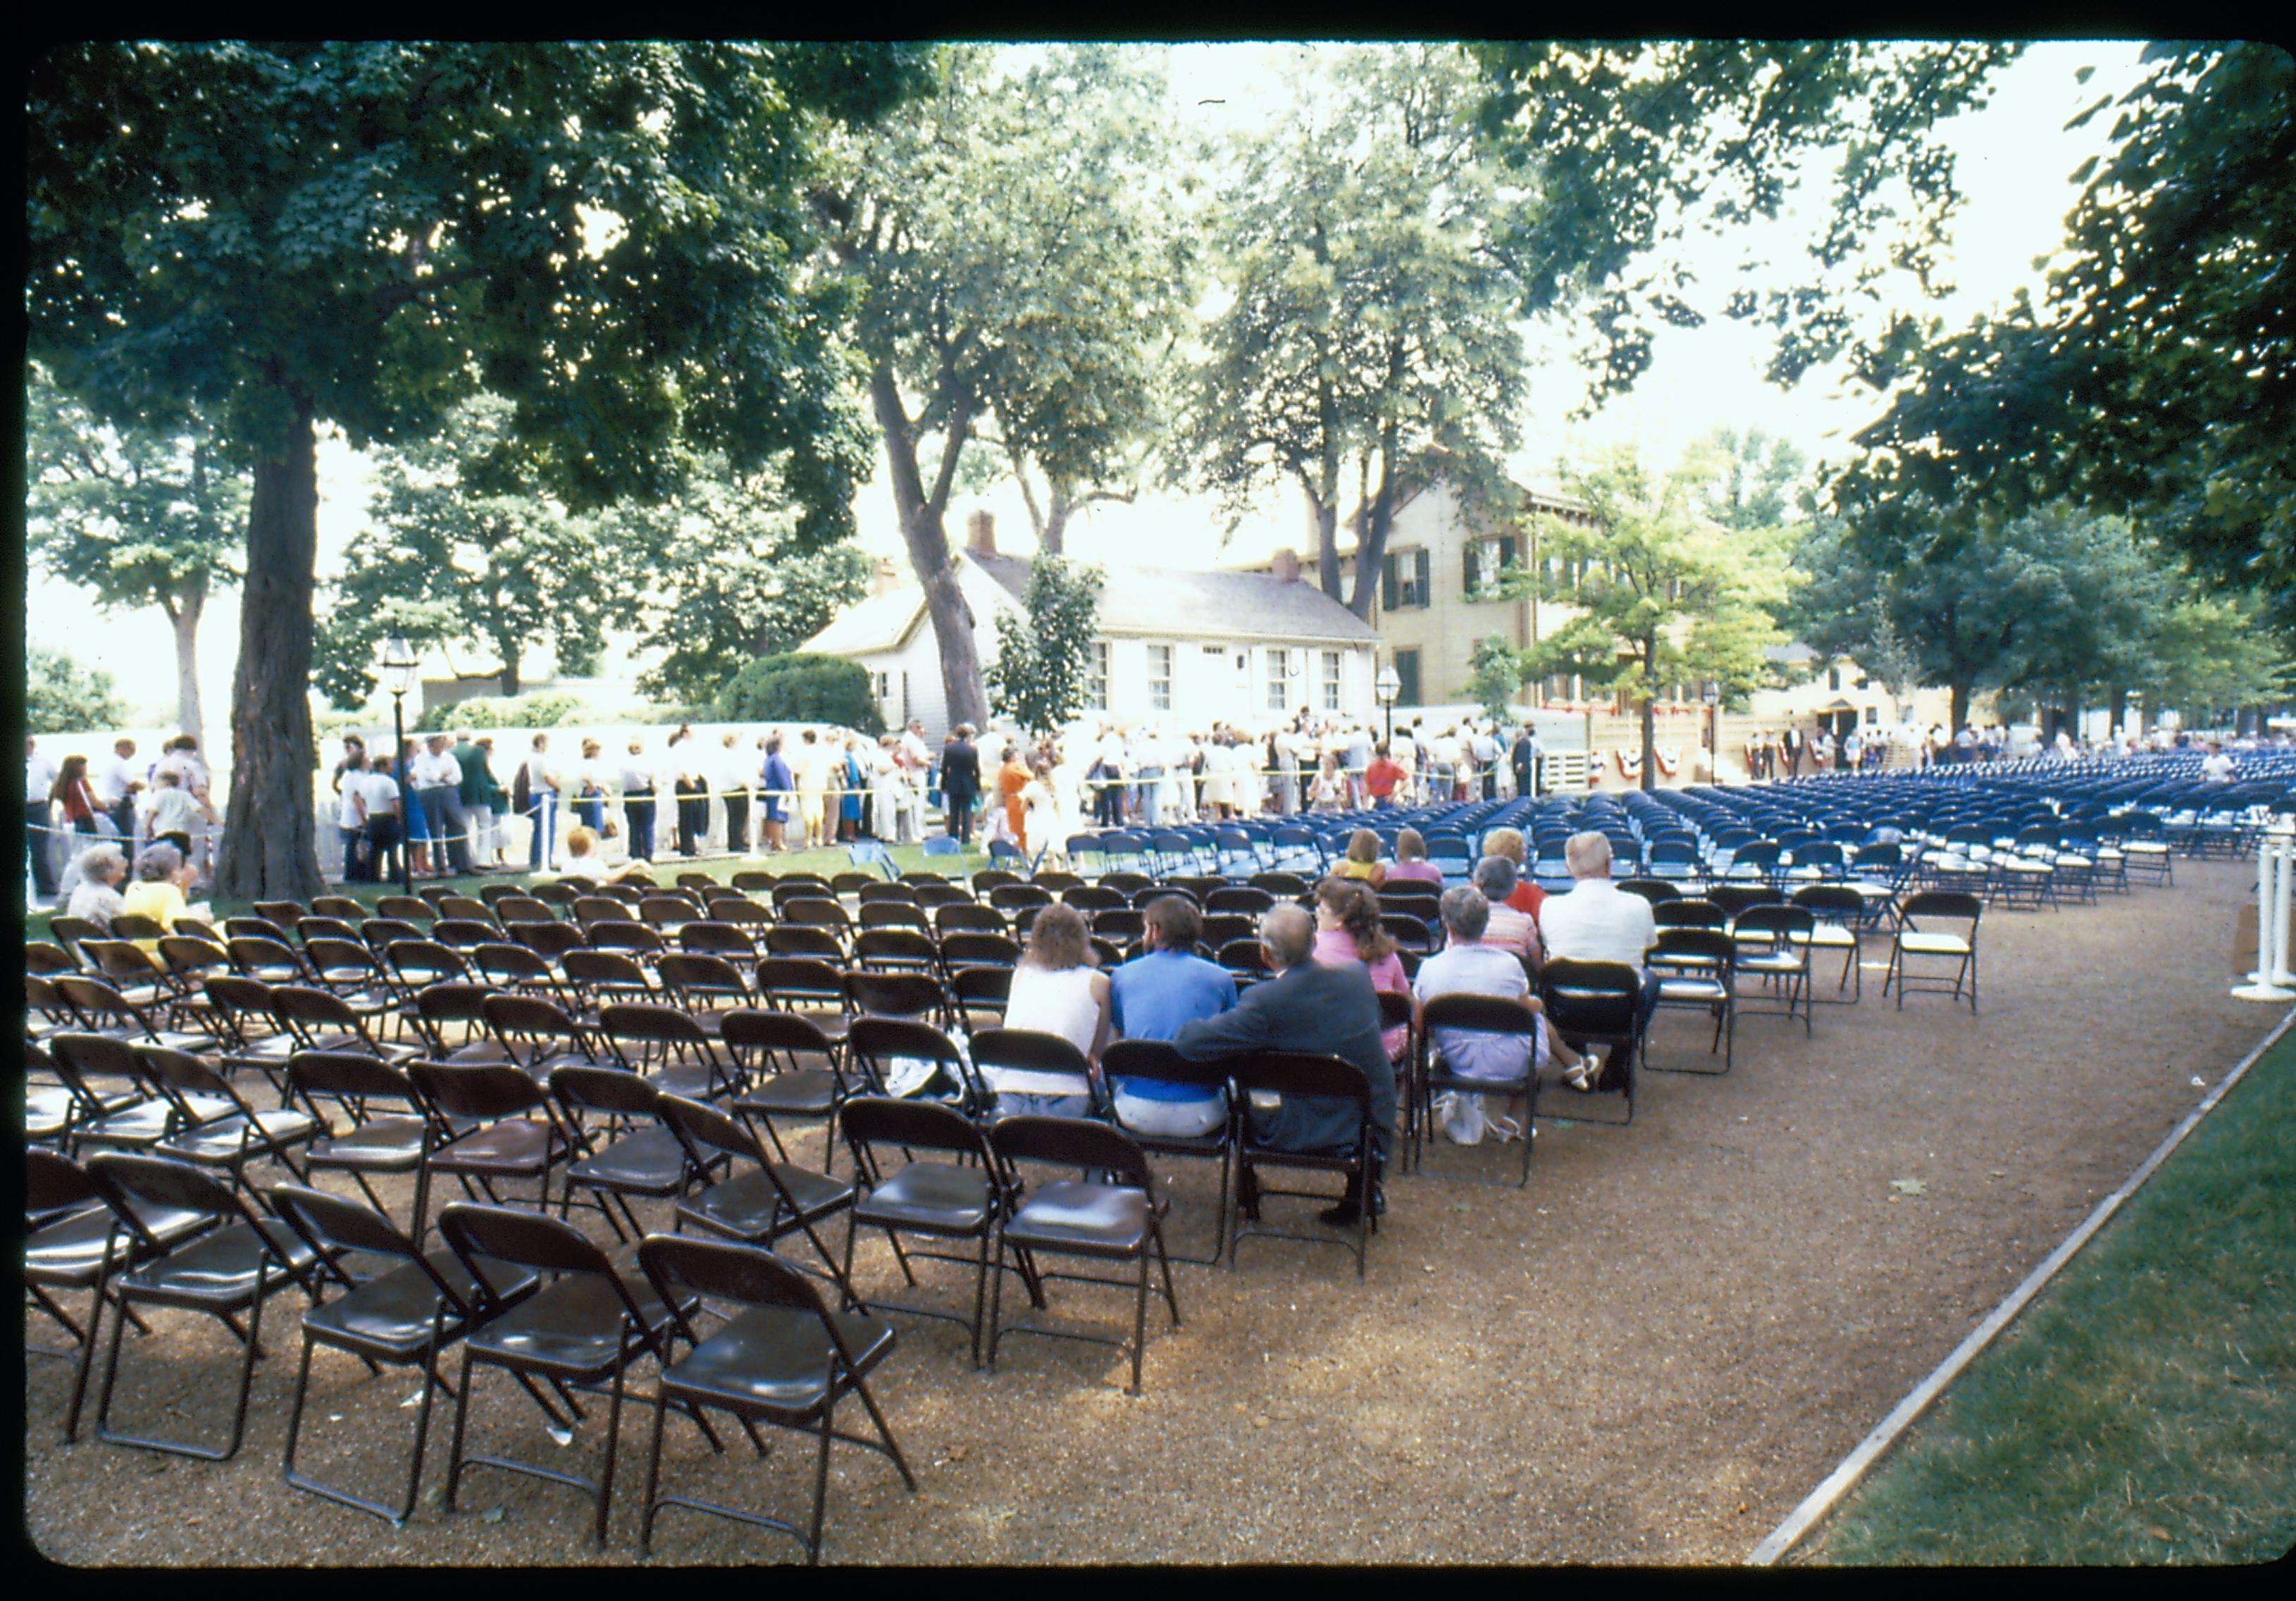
(1139, 1323)
(653, 1471)
(820, 1485)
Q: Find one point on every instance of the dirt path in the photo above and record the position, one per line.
(1650, 1355)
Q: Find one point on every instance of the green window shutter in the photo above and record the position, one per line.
(1506, 551)
(1388, 597)
(1424, 571)
(1469, 576)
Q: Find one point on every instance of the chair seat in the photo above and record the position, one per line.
(69, 1254)
(1090, 1220)
(1776, 961)
(649, 1162)
(927, 1195)
(1933, 944)
(692, 1080)
(46, 1114)
(1690, 987)
(773, 1361)
(748, 1207)
(832, 1024)
(514, 1146)
(147, 1124)
(381, 1143)
(227, 1137)
(574, 1329)
(806, 1092)
(219, 1271)
(1827, 937)
(392, 1317)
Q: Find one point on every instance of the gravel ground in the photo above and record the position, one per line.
(1648, 1356)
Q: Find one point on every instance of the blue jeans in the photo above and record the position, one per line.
(637, 807)
(37, 820)
(540, 845)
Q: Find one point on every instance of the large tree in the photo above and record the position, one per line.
(142, 517)
(1009, 257)
(2158, 376)
(1369, 340)
(1664, 595)
(1623, 148)
(285, 235)
(1044, 652)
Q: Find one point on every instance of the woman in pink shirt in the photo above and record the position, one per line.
(1411, 864)
(1348, 930)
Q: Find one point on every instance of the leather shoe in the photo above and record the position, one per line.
(1247, 1193)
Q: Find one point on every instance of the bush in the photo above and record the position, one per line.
(798, 688)
(63, 696)
(551, 708)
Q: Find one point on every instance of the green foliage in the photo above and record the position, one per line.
(721, 574)
(1663, 595)
(2057, 605)
(1045, 652)
(1620, 149)
(2154, 378)
(1014, 257)
(62, 697)
(464, 551)
(1496, 675)
(799, 687)
(551, 708)
(1749, 480)
(1370, 332)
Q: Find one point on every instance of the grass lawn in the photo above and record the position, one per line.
(2144, 1409)
(827, 863)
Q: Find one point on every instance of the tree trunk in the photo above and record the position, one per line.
(1053, 538)
(268, 852)
(510, 673)
(1325, 516)
(1371, 534)
(184, 616)
(1960, 691)
(927, 539)
(1650, 712)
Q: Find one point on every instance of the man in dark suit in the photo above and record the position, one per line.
(1306, 1007)
(960, 781)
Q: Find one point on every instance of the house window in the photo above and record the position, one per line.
(1834, 678)
(1332, 680)
(1159, 677)
(1864, 681)
(1406, 674)
(1096, 686)
(1404, 579)
(1279, 676)
(1486, 560)
(1872, 714)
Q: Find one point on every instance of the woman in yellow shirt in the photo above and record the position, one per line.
(161, 877)
(1363, 858)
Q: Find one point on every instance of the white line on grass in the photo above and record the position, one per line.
(1854, 1466)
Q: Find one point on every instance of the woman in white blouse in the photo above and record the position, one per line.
(1057, 989)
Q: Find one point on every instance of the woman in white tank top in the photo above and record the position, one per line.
(1056, 991)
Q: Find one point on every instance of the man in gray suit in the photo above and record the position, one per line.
(1306, 1007)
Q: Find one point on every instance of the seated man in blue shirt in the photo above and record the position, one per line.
(1150, 998)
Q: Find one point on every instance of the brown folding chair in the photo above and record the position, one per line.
(385, 1127)
(511, 1131)
(1118, 1217)
(784, 1358)
(760, 1201)
(671, 1047)
(1156, 1059)
(1487, 1015)
(1328, 1078)
(958, 1200)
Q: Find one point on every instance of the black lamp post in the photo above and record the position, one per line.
(398, 665)
(1389, 686)
(1713, 734)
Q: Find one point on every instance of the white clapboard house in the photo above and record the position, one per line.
(1178, 649)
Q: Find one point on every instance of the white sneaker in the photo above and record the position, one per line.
(1584, 1077)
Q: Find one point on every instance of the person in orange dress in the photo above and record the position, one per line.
(1011, 777)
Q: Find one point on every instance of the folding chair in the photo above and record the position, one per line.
(947, 1200)
(1837, 911)
(581, 1331)
(1156, 1059)
(783, 1358)
(225, 1271)
(373, 1137)
(73, 1242)
(1328, 1078)
(765, 1205)
(509, 1129)
(1118, 1218)
(638, 1156)
(404, 1317)
(1914, 940)
(1695, 969)
(670, 1048)
(906, 1058)
(1019, 1061)
(979, 994)
(1491, 1015)
(767, 1046)
(215, 1125)
(1597, 1003)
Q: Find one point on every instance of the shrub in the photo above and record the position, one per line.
(550, 709)
(798, 688)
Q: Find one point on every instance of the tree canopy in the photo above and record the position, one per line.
(1045, 651)
(141, 516)
(1370, 331)
(1008, 260)
(1624, 148)
(365, 233)
(2159, 374)
(63, 696)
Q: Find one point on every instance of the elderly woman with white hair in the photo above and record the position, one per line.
(93, 891)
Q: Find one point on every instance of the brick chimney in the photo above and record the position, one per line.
(1286, 566)
(884, 575)
(981, 534)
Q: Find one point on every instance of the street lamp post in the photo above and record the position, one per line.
(1389, 687)
(398, 665)
(1713, 733)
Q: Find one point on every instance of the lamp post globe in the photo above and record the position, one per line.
(1390, 685)
(399, 667)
